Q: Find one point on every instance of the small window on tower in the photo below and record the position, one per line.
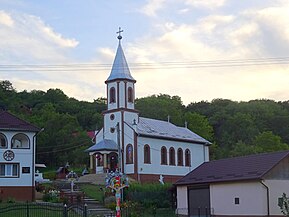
(112, 95)
(129, 95)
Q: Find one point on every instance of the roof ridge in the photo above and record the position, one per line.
(19, 119)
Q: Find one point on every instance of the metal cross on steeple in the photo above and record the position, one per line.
(119, 37)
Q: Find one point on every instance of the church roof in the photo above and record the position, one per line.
(165, 130)
(9, 121)
(120, 68)
(251, 167)
(104, 145)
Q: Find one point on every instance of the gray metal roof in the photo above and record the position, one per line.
(251, 167)
(120, 68)
(104, 145)
(166, 130)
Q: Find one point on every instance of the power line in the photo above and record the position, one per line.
(144, 66)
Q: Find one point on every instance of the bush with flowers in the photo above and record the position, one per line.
(51, 196)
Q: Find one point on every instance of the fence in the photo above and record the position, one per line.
(75, 210)
(42, 209)
(194, 212)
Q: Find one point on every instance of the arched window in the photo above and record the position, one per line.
(129, 154)
(172, 156)
(112, 95)
(164, 159)
(3, 141)
(187, 158)
(20, 140)
(147, 154)
(129, 94)
(180, 157)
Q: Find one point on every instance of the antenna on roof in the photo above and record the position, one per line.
(169, 118)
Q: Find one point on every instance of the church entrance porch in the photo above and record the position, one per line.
(105, 162)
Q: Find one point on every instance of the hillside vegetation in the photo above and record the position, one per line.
(234, 128)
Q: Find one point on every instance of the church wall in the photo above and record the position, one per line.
(122, 97)
(198, 155)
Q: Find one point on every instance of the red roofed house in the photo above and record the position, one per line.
(241, 186)
(17, 158)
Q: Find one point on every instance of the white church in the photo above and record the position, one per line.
(145, 149)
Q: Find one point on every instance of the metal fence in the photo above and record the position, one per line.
(42, 209)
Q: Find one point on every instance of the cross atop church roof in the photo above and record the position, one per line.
(120, 68)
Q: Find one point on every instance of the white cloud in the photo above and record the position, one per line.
(208, 4)
(152, 7)
(29, 39)
(5, 19)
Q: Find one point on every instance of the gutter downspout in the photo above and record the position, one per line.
(268, 200)
(33, 162)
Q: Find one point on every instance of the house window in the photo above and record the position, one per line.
(164, 159)
(112, 95)
(20, 141)
(180, 157)
(147, 154)
(172, 156)
(129, 94)
(3, 141)
(129, 154)
(187, 158)
(237, 200)
(9, 170)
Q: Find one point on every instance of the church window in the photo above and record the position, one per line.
(129, 94)
(20, 140)
(112, 95)
(112, 129)
(187, 158)
(164, 159)
(3, 141)
(129, 154)
(147, 154)
(172, 156)
(180, 157)
(112, 117)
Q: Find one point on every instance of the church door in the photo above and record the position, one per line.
(113, 159)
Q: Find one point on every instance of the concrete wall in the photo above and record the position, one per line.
(276, 189)
(252, 198)
(182, 200)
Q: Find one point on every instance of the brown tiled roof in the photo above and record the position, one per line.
(251, 167)
(11, 122)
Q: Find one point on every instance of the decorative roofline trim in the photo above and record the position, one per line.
(119, 110)
(120, 79)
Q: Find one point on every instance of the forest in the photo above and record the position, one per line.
(234, 128)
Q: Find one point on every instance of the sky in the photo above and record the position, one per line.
(199, 50)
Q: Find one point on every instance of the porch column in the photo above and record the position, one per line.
(91, 161)
(105, 161)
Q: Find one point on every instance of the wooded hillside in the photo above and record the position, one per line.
(234, 128)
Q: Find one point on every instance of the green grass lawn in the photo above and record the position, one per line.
(93, 191)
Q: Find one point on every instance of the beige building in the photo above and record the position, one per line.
(242, 186)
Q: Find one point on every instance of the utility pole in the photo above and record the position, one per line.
(119, 148)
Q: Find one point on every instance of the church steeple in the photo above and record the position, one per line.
(120, 83)
(120, 70)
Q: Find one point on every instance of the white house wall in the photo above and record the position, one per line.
(252, 197)
(276, 189)
(198, 156)
(23, 157)
(182, 200)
